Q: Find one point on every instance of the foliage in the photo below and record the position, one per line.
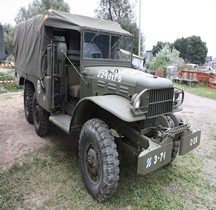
(122, 12)
(11, 87)
(165, 57)
(159, 46)
(8, 87)
(40, 7)
(6, 76)
(133, 29)
(192, 49)
(8, 39)
(115, 10)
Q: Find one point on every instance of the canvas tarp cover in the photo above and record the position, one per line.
(66, 20)
(28, 46)
(31, 37)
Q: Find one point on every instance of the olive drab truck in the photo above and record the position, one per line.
(75, 76)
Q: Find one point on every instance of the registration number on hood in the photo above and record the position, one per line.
(109, 76)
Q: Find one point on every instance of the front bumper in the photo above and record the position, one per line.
(189, 141)
(157, 155)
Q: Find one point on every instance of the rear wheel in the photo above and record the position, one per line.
(28, 101)
(40, 118)
(98, 160)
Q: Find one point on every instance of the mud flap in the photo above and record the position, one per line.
(189, 141)
(154, 158)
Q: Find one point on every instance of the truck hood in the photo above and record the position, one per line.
(128, 76)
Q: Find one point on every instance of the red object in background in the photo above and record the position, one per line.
(201, 77)
(212, 83)
(159, 73)
(5, 64)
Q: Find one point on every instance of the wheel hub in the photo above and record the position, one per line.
(92, 164)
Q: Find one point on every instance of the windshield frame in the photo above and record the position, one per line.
(120, 37)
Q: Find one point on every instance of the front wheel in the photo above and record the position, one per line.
(98, 160)
(40, 118)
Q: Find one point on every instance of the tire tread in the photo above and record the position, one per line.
(109, 158)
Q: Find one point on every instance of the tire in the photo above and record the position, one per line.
(175, 150)
(174, 122)
(40, 118)
(98, 160)
(28, 101)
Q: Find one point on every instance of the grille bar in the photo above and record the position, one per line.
(160, 102)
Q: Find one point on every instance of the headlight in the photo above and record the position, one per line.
(178, 97)
(137, 102)
(138, 105)
(175, 95)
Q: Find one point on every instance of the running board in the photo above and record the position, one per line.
(62, 121)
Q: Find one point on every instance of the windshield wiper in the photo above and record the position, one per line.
(94, 37)
(117, 41)
(88, 44)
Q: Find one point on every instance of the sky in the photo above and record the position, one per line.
(161, 20)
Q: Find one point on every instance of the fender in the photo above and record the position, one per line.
(114, 104)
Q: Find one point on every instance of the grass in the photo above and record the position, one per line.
(6, 76)
(212, 137)
(200, 90)
(8, 87)
(51, 179)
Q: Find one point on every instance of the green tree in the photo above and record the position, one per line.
(40, 7)
(159, 46)
(133, 29)
(181, 45)
(8, 39)
(115, 10)
(166, 56)
(192, 49)
(122, 12)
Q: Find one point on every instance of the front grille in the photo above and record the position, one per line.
(160, 102)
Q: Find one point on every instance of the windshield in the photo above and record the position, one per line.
(102, 46)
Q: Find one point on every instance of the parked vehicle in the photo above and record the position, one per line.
(2, 48)
(191, 65)
(171, 72)
(76, 77)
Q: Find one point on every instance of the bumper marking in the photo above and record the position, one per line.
(189, 141)
(154, 158)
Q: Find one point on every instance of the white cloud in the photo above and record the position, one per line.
(168, 20)
(9, 10)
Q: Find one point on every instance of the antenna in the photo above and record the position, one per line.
(139, 46)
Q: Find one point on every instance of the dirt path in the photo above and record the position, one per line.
(201, 113)
(17, 137)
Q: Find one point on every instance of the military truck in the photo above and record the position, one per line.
(75, 76)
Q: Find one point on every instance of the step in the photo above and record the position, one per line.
(62, 121)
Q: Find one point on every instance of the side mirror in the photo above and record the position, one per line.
(61, 47)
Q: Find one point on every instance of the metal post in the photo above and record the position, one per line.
(139, 47)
